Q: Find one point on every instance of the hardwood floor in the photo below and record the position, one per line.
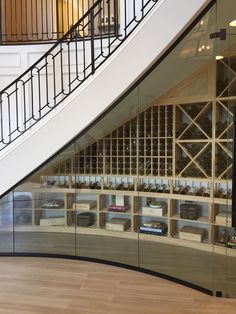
(57, 286)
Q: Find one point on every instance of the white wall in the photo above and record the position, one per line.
(14, 60)
(147, 43)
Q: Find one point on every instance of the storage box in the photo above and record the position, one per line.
(224, 219)
(192, 233)
(118, 208)
(121, 200)
(53, 204)
(84, 205)
(190, 211)
(118, 224)
(85, 219)
(147, 210)
(53, 221)
(154, 227)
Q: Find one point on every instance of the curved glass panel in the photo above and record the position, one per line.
(41, 217)
(150, 184)
(223, 232)
(106, 186)
(6, 223)
(175, 215)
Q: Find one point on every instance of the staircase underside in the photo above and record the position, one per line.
(146, 45)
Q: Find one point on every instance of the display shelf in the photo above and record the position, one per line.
(179, 150)
(201, 220)
(49, 209)
(69, 210)
(222, 201)
(106, 211)
(139, 214)
(56, 229)
(177, 242)
(104, 232)
(223, 250)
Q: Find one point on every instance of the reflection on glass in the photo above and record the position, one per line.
(6, 223)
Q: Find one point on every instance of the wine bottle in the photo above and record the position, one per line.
(120, 186)
(147, 188)
(79, 185)
(200, 191)
(141, 187)
(93, 185)
(185, 190)
(106, 186)
(218, 193)
(167, 189)
(161, 188)
(191, 191)
(86, 185)
(131, 187)
(226, 194)
(207, 193)
(177, 189)
(98, 185)
(153, 188)
(126, 186)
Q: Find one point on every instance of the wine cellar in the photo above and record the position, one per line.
(165, 175)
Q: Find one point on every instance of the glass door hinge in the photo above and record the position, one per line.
(221, 34)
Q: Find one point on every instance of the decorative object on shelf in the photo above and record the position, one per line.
(52, 221)
(118, 208)
(84, 205)
(223, 237)
(189, 211)
(223, 219)
(85, 219)
(155, 208)
(192, 233)
(53, 204)
(118, 224)
(121, 204)
(232, 242)
(156, 204)
(154, 227)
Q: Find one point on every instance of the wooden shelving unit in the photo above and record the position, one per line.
(179, 143)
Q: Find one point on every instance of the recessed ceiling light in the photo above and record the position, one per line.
(233, 23)
(201, 23)
(219, 57)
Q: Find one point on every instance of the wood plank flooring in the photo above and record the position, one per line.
(58, 286)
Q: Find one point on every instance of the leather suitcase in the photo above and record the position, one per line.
(190, 211)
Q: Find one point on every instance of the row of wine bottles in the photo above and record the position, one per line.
(142, 187)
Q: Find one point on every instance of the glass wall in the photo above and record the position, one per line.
(6, 223)
(150, 184)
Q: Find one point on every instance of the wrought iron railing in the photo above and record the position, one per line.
(26, 21)
(73, 59)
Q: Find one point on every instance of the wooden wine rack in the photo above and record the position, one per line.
(178, 141)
